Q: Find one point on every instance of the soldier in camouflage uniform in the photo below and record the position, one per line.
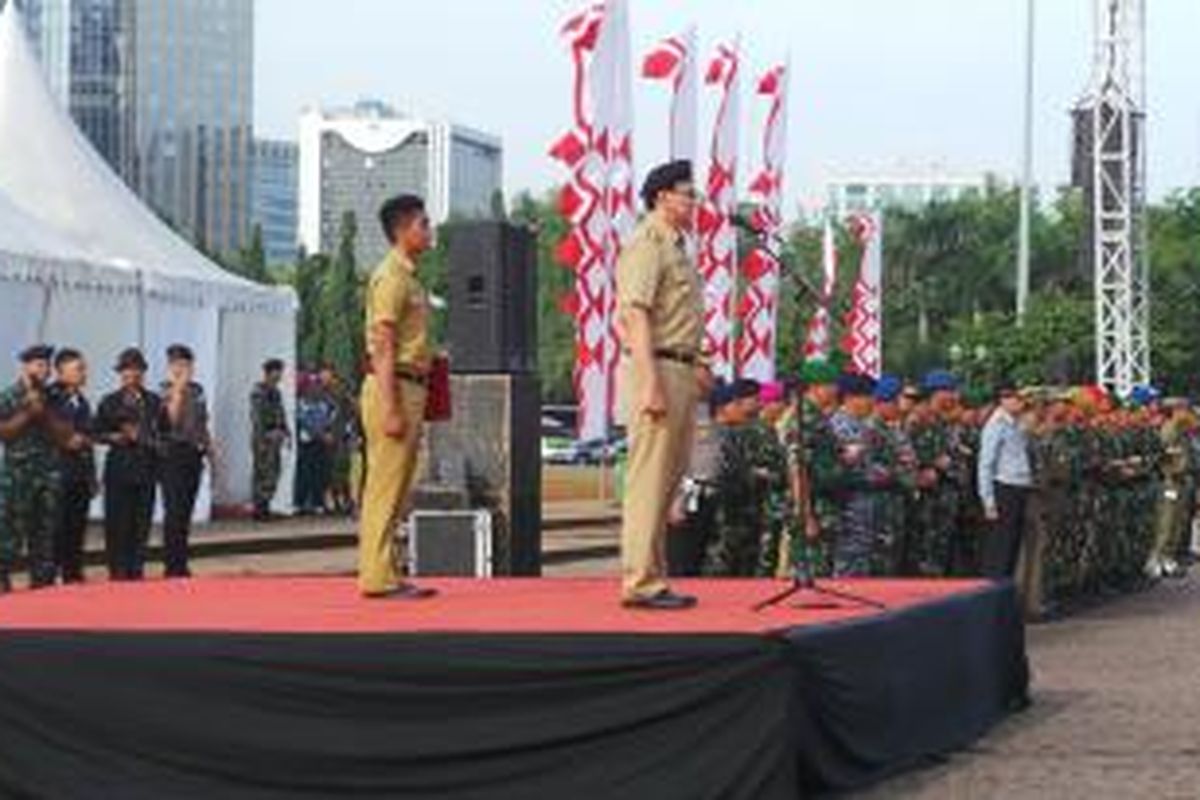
(771, 464)
(1177, 491)
(933, 526)
(29, 474)
(900, 459)
(812, 455)
(858, 479)
(1055, 478)
(270, 433)
(734, 547)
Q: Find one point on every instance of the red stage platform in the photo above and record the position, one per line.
(332, 605)
(266, 688)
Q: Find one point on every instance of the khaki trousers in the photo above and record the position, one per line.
(659, 452)
(391, 468)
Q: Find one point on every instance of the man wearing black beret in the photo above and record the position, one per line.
(129, 422)
(29, 483)
(270, 432)
(861, 476)
(660, 317)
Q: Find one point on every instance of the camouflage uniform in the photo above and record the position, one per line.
(817, 448)
(932, 526)
(29, 494)
(856, 489)
(734, 548)
(770, 460)
(269, 431)
(1169, 516)
(900, 459)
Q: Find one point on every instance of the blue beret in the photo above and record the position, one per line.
(887, 388)
(1143, 395)
(939, 380)
(745, 387)
(723, 393)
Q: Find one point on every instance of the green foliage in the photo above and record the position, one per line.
(251, 261)
(341, 307)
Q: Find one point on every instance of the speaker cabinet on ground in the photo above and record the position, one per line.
(492, 323)
(492, 442)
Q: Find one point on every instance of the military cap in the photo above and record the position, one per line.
(887, 388)
(818, 372)
(745, 388)
(723, 393)
(1142, 396)
(939, 380)
(977, 396)
(773, 392)
(273, 365)
(180, 352)
(665, 177)
(853, 384)
(131, 358)
(1176, 403)
(37, 352)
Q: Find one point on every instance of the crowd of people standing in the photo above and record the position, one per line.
(843, 475)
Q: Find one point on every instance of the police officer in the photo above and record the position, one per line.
(128, 421)
(393, 396)
(29, 481)
(186, 443)
(660, 318)
(77, 462)
(269, 434)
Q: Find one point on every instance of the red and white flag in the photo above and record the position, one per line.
(816, 344)
(758, 310)
(864, 324)
(718, 240)
(598, 199)
(674, 60)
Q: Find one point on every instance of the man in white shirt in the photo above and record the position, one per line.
(1005, 483)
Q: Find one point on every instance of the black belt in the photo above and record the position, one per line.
(667, 354)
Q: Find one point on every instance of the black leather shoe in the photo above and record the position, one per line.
(405, 591)
(666, 600)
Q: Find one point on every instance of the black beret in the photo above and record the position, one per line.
(131, 358)
(665, 177)
(722, 394)
(273, 365)
(853, 384)
(180, 352)
(37, 352)
(745, 388)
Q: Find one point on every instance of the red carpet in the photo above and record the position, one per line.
(331, 605)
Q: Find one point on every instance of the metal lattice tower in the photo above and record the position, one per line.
(1110, 164)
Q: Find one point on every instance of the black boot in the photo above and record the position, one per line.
(5, 583)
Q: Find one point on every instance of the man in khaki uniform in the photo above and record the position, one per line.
(393, 396)
(660, 309)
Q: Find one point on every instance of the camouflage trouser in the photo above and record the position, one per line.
(1063, 541)
(773, 537)
(268, 464)
(893, 533)
(933, 530)
(817, 555)
(734, 551)
(855, 546)
(29, 499)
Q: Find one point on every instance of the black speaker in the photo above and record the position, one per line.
(492, 322)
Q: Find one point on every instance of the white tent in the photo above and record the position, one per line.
(98, 270)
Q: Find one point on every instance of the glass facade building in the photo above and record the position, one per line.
(163, 89)
(274, 198)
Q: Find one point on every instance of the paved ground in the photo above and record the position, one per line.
(1116, 712)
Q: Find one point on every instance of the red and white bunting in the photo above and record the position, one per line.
(598, 198)
(816, 344)
(758, 310)
(674, 60)
(864, 324)
(718, 241)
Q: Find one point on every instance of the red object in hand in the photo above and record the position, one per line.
(437, 400)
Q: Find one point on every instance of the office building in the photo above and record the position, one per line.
(274, 198)
(908, 188)
(351, 160)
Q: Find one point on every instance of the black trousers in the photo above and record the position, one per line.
(312, 475)
(71, 528)
(180, 477)
(1002, 539)
(128, 512)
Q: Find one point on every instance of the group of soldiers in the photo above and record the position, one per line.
(840, 474)
(328, 443)
(156, 444)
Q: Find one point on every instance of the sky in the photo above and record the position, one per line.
(876, 83)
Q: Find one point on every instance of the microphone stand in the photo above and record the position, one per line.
(803, 579)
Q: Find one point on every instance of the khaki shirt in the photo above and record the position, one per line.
(394, 295)
(654, 273)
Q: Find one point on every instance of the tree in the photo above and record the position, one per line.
(342, 309)
(251, 261)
